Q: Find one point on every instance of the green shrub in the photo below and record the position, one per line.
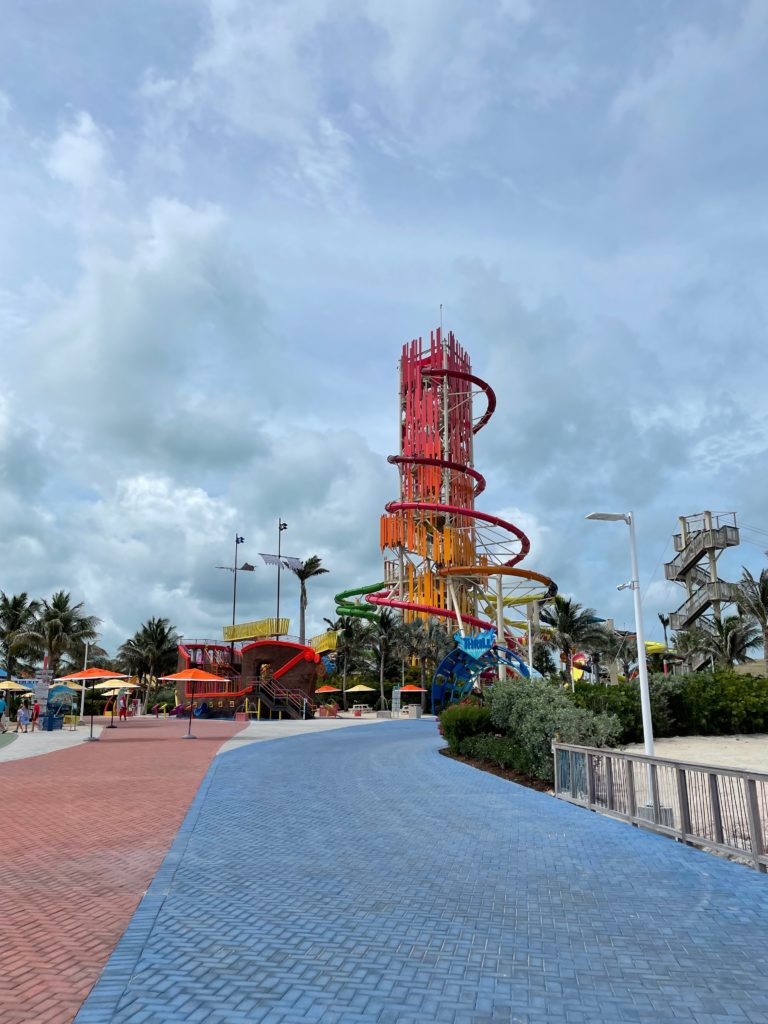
(532, 714)
(623, 701)
(498, 750)
(716, 703)
(462, 720)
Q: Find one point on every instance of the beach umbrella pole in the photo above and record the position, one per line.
(189, 735)
(92, 738)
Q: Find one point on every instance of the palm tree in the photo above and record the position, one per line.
(384, 631)
(752, 600)
(151, 652)
(57, 627)
(431, 642)
(305, 572)
(403, 645)
(729, 640)
(664, 620)
(351, 644)
(17, 613)
(687, 644)
(75, 658)
(571, 627)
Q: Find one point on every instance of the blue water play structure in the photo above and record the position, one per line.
(458, 672)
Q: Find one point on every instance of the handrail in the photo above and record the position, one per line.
(697, 766)
(296, 698)
(710, 806)
(696, 545)
(708, 593)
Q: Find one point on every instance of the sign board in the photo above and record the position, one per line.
(259, 630)
(478, 645)
(40, 687)
(396, 700)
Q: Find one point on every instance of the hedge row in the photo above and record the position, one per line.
(525, 716)
(716, 703)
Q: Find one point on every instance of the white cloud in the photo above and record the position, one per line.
(78, 155)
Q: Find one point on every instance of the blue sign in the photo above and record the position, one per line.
(478, 645)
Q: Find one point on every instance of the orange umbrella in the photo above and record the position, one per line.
(327, 689)
(91, 675)
(410, 688)
(193, 675)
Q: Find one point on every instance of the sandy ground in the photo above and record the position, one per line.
(747, 752)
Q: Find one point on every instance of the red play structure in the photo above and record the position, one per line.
(271, 678)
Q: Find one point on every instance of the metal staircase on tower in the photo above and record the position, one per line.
(702, 539)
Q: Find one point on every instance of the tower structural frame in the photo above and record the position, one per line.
(443, 557)
(699, 544)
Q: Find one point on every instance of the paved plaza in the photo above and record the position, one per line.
(357, 876)
(85, 828)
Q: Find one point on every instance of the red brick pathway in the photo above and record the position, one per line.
(83, 832)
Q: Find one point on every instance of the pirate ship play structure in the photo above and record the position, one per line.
(260, 674)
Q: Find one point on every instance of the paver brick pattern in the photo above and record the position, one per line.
(361, 878)
(84, 831)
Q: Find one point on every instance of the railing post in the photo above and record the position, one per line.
(654, 779)
(631, 788)
(557, 768)
(590, 780)
(609, 783)
(685, 807)
(755, 824)
(571, 763)
(714, 800)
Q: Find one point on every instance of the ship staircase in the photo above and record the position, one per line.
(279, 700)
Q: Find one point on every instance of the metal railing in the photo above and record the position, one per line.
(716, 808)
(701, 599)
(697, 544)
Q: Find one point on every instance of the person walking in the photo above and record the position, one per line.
(35, 719)
(3, 714)
(122, 715)
(22, 717)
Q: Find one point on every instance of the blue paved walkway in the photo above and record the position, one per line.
(358, 877)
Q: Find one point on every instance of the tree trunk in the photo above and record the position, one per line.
(765, 650)
(302, 612)
(423, 665)
(381, 678)
(344, 683)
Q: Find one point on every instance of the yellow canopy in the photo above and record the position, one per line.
(655, 647)
(8, 684)
(361, 688)
(112, 684)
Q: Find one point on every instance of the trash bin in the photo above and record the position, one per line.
(49, 722)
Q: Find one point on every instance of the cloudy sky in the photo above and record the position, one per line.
(221, 219)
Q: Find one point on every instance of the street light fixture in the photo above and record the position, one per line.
(282, 562)
(634, 586)
(245, 567)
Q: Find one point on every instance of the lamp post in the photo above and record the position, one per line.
(634, 586)
(280, 527)
(82, 692)
(245, 567)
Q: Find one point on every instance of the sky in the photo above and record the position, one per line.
(221, 220)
